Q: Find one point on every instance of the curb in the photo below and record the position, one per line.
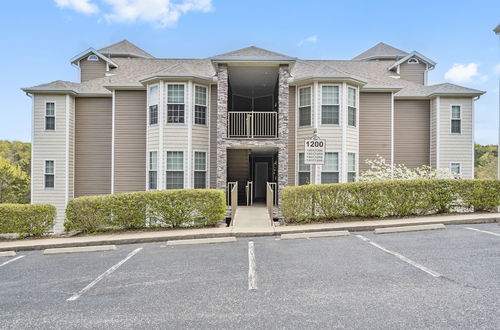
(403, 229)
(276, 231)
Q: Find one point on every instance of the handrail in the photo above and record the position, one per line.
(270, 198)
(252, 124)
(234, 201)
(249, 192)
(229, 188)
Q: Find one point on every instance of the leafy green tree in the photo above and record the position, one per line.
(14, 183)
(486, 161)
(19, 153)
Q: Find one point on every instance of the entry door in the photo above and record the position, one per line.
(260, 178)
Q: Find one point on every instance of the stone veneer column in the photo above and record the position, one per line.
(222, 90)
(283, 92)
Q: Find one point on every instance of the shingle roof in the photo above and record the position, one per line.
(381, 50)
(252, 53)
(125, 47)
(370, 74)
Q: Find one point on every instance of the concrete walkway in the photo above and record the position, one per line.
(240, 231)
(255, 216)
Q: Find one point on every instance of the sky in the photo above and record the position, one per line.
(39, 38)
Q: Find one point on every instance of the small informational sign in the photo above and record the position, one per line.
(314, 151)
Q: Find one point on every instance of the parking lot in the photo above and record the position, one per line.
(430, 279)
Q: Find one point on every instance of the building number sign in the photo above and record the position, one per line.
(314, 151)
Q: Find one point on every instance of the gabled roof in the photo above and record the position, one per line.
(447, 89)
(90, 51)
(177, 70)
(125, 48)
(381, 51)
(252, 53)
(416, 54)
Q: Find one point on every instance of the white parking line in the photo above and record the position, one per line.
(252, 276)
(483, 231)
(103, 275)
(402, 257)
(11, 260)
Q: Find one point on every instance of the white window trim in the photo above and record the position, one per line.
(184, 165)
(149, 168)
(45, 173)
(195, 104)
(299, 171)
(186, 96)
(320, 115)
(93, 58)
(339, 162)
(355, 167)
(310, 105)
(206, 166)
(356, 106)
(45, 117)
(413, 61)
(451, 118)
(149, 105)
(460, 168)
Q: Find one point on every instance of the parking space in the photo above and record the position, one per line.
(334, 282)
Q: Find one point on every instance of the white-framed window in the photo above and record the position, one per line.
(49, 172)
(351, 167)
(175, 170)
(154, 97)
(175, 104)
(304, 171)
(413, 61)
(93, 58)
(200, 105)
(352, 106)
(153, 170)
(456, 169)
(456, 119)
(330, 104)
(50, 116)
(200, 170)
(330, 169)
(305, 106)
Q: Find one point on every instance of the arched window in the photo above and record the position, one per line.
(92, 58)
(413, 61)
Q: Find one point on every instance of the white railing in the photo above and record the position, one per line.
(270, 198)
(229, 188)
(249, 192)
(251, 125)
(234, 200)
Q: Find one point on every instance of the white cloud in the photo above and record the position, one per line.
(461, 73)
(82, 6)
(311, 39)
(160, 12)
(497, 68)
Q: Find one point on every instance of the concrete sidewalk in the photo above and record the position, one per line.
(162, 236)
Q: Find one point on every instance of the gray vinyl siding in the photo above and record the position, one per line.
(93, 146)
(433, 145)
(413, 72)
(130, 141)
(292, 134)
(411, 132)
(92, 69)
(213, 137)
(374, 127)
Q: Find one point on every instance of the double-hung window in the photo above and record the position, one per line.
(49, 174)
(456, 119)
(153, 170)
(305, 106)
(50, 116)
(351, 106)
(175, 170)
(200, 105)
(153, 104)
(175, 104)
(456, 170)
(330, 169)
(351, 167)
(200, 170)
(304, 171)
(329, 105)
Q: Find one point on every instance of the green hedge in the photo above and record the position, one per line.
(162, 208)
(388, 198)
(26, 219)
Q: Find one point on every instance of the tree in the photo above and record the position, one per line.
(14, 183)
(19, 153)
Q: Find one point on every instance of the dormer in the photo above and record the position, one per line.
(92, 64)
(413, 67)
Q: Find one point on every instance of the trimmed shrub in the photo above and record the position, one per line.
(26, 219)
(388, 198)
(163, 208)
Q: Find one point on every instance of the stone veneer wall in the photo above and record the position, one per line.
(223, 143)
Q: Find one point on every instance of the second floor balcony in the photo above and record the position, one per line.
(252, 125)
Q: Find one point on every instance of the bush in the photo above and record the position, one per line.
(388, 198)
(26, 219)
(163, 208)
